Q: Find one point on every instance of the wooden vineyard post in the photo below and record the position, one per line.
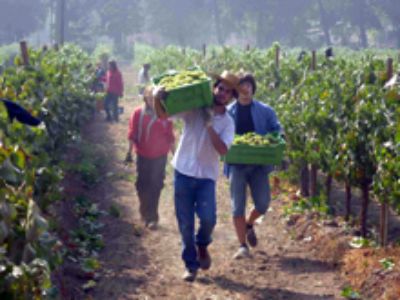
(248, 47)
(389, 68)
(384, 215)
(313, 60)
(304, 180)
(277, 56)
(183, 50)
(384, 223)
(24, 52)
(364, 208)
(204, 50)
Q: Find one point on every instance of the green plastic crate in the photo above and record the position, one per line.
(271, 154)
(187, 97)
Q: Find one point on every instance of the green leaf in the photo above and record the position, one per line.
(349, 293)
(91, 264)
(387, 263)
(18, 159)
(89, 285)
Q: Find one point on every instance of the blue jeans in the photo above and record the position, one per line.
(194, 196)
(257, 178)
(111, 106)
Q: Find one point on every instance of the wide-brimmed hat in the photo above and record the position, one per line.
(231, 79)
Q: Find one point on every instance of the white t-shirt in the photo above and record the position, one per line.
(141, 78)
(196, 155)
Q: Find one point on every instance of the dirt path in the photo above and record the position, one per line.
(142, 264)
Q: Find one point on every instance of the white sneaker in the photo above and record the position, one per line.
(152, 225)
(243, 252)
(189, 275)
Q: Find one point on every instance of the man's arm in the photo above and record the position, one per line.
(217, 142)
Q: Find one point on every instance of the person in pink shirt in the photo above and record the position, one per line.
(114, 90)
(151, 138)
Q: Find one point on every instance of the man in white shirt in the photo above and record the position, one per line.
(143, 77)
(207, 134)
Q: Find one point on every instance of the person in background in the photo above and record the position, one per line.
(207, 134)
(151, 138)
(143, 77)
(249, 115)
(100, 78)
(114, 90)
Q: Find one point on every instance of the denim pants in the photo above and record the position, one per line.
(256, 177)
(149, 183)
(111, 107)
(194, 196)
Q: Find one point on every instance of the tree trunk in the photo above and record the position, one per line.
(260, 30)
(305, 180)
(348, 202)
(314, 180)
(363, 33)
(60, 13)
(217, 17)
(364, 208)
(324, 23)
(363, 37)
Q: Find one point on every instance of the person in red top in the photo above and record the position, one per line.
(114, 90)
(151, 138)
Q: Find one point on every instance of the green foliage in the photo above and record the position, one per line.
(7, 51)
(54, 88)
(114, 211)
(338, 116)
(86, 240)
(89, 165)
(313, 204)
(349, 293)
(387, 263)
(360, 242)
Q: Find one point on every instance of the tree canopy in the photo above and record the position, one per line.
(305, 23)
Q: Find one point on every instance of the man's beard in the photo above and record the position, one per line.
(216, 102)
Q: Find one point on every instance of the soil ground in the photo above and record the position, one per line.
(139, 263)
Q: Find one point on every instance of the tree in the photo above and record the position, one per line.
(20, 18)
(182, 22)
(361, 14)
(390, 10)
(120, 18)
(327, 20)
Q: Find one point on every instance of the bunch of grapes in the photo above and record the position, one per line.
(183, 78)
(254, 139)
